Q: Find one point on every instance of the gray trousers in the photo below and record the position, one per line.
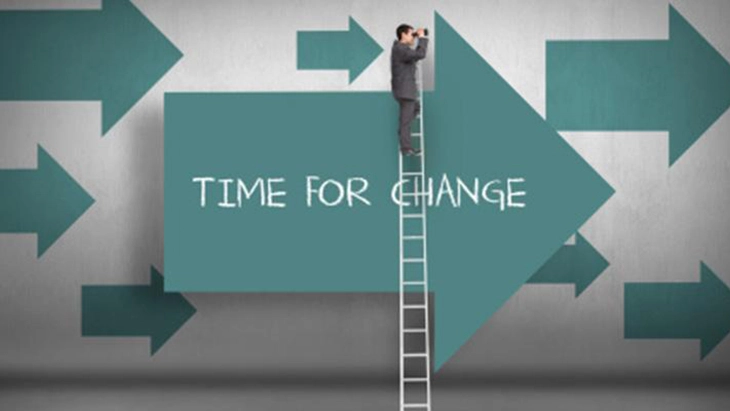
(409, 109)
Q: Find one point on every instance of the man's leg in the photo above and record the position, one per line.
(407, 114)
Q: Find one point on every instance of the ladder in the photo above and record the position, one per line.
(415, 357)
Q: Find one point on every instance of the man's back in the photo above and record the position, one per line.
(403, 68)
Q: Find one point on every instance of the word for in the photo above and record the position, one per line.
(269, 192)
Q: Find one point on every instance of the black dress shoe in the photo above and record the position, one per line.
(412, 152)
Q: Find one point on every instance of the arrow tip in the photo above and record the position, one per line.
(364, 49)
(173, 310)
(63, 201)
(467, 299)
(592, 264)
(700, 85)
(717, 295)
(139, 57)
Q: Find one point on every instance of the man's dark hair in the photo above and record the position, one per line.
(403, 28)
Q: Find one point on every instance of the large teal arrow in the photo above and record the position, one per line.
(351, 50)
(579, 264)
(114, 55)
(680, 85)
(477, 126)
(134, 311)
(45, 201)
(679, 310)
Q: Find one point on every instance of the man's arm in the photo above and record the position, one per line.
(410, 55)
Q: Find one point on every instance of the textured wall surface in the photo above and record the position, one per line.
(658, 226)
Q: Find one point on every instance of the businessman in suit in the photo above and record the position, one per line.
(403, 80)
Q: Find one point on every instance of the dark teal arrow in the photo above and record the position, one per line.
(46, 201)
(134, 311)
(679, 310)
(113, 55)
(477, 126)
(680, 85)
(577, 264)
(351, 50)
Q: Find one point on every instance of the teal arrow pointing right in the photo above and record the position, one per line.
(577, 264)
(114, 55)
(134, 310)
(680, 85)
(46, 201)
(476, 123)
(476, 126)
(698, 311)
(351, 50)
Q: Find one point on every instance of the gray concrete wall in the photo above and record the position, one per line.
(657, 227)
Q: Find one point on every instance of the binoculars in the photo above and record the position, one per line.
(425, 32)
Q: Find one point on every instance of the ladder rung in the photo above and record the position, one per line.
(415, 379)
(416, 215)
(415, 355)
(415, 134)
(415, 405)
(414, 306)
(414, 194)
(414, 283)
(413, 260)
(414, 330)
(412, 173)
(413, 237)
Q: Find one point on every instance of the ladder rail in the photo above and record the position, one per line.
(425, 237)
(401, 273)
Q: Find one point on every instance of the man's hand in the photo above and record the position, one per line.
(421, 32)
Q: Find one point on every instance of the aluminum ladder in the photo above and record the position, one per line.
(415, 357)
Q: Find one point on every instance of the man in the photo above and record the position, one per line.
(403, 80)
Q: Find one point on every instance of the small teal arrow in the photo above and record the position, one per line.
(679, 310)
(351, 50)
(680, 85)
(46, 201)
(134, 311)
(114, 55)
(578, 264)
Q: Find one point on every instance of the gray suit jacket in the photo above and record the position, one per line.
(403, 68)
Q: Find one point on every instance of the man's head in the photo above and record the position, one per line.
(405, 34)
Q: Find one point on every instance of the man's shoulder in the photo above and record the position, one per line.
(399, 50)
